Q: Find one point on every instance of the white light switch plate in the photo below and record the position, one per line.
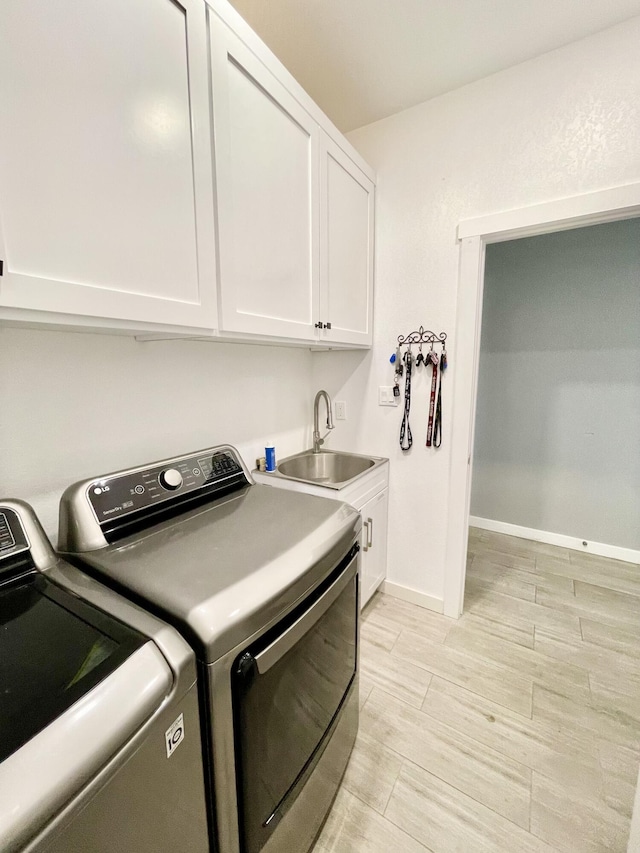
(385, 396)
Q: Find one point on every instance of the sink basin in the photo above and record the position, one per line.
(327, 468)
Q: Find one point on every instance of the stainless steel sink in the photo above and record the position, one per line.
(332, 469)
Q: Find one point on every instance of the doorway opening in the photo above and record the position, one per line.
(475, 236)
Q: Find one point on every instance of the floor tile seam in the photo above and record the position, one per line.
(576, 555)
(466, 736)
(624, 664)
(395, 782)
(599, 577)
(589, 731)
(517, 647)
(496, 749)
(599, 801)
(459, 732)
(428, 639)
(547, 660)
(594, 616)
(600, 588)
(419, 698)
(408, 761)
(384, 817)
(402, 627)
(569, 755)
(473, 657)
(504, 669)
(346, 785)
(394, 696)
(500, 705)
(488, 585)
(615, 589)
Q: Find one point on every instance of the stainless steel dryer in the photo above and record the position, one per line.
(100, 749)
(263, 583)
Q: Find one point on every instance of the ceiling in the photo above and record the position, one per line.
(362, 60)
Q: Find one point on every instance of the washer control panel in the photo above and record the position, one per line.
(119, 495)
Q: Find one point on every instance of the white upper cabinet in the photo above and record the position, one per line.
(106, 194)
(266, 151)
(294, 209)
(346, 248)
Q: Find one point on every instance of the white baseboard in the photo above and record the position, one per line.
(429, 602)
(628, 555)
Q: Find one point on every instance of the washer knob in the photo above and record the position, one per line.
(171, 479)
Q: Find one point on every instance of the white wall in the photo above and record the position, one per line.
(78, 405)
(560, 125)
(558, 413)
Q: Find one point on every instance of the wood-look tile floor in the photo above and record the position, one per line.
(515, 728)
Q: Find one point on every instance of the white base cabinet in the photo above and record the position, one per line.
(370, 496)
(374, 543)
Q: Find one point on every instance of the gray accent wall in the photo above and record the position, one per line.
(557, 441)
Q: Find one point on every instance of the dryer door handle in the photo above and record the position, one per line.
(295, 632)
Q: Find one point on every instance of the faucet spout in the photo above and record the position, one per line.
(317, 440)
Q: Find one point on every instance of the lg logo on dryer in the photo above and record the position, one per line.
(174, 736)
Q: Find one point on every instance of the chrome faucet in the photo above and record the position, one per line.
(317, 441)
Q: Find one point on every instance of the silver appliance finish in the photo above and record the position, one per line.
(106, 754)
(224, 572)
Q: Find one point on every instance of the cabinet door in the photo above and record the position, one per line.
(374, 544)
(346, 248)
(267, 186)
(106, 199)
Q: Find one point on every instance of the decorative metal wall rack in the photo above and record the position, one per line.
(405, 363)
(422, 336)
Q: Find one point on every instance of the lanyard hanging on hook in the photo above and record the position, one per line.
(405, 429)
(437, 425)
(432, 359)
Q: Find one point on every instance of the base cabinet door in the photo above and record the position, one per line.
(346, 248)
(106, 187)
(374, 544)
(267, 186)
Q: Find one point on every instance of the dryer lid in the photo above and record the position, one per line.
(220, 572)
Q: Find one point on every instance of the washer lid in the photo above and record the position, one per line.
(75, 685)
(45, 773)
(53, 650)
(221, 572)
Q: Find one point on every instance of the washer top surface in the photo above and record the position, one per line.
(222, 571)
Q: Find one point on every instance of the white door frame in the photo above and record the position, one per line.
(474, 235)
